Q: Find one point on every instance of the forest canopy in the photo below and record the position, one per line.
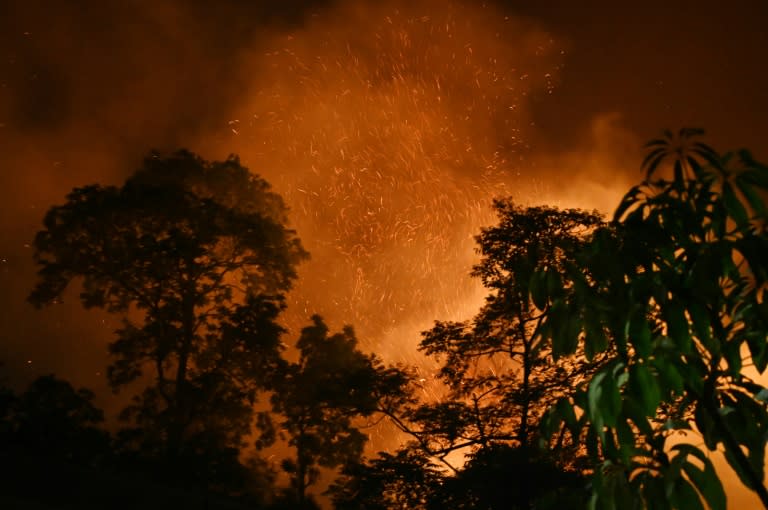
(608, 360)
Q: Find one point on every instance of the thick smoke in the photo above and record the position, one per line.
(86, 89)
(389, 129)
(388, 126)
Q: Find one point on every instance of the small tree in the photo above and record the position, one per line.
(319, 397)
(52, 418)
(501, 377)
(406, 479)
(195, 257)
(503, 477)
(677, 287)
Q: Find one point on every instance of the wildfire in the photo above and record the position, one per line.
(389, 130)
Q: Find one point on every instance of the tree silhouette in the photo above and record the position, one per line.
(195, 256)
(506, 477)
(319, 397)
(52, 418)
(678, 285)
(498, 476)
(405, 479)
(501, 377)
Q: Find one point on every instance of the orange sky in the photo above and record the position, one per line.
(387, 126)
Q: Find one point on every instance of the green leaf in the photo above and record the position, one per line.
(693, 371)
(685, 497)
(678, 172)
(732, 353)
(737, 468)
(670, 377)
(632, 198)
(554, 284)
(644, 387)
(754, 199)
(595, 340)
(677, 325)
(610, 446)
(566, 330)
(698, 172)
(626, 439)
(640, 334)
(758, 349)
(701, 325)
(538, 288)
(653, 159)
(707, 483)
(604, 400)
(748, 422)
(595, 398)
(655, 142)
(654, 494)
(734, 206)
(638, 417)
(549, 425)
(591, 442)
(755, 250)
(708, 153)
(566, 413)
(706, 426)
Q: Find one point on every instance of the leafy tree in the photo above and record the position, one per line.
(501, 377)
(499, 476)
(195, 256)
(507, 477)
(406, 479)
(319, 397)
(51, 418)
(677, 286)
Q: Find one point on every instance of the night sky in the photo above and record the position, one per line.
(88, 87)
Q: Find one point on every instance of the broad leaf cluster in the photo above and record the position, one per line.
(195, 256)
(676, 284)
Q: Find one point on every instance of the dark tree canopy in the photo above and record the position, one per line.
(180, 225)
(53, 419)
(501, 377)
(320, 398)
(677, 284)
(497, 358)
(405, 479)
(596, 344)
(195, 255)
(503, 477)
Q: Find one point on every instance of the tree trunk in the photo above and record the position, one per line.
(180, 412)
(523, 431)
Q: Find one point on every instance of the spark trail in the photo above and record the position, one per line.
(389, 130)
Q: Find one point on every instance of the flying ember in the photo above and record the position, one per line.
(393, 129)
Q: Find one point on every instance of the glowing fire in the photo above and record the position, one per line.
(388, 131)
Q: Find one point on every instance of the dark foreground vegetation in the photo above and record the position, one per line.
(598, 344)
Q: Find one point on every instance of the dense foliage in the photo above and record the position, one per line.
(318, 398)
(500, 377)
(194, 256)
(676, 286)
(598, 344)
